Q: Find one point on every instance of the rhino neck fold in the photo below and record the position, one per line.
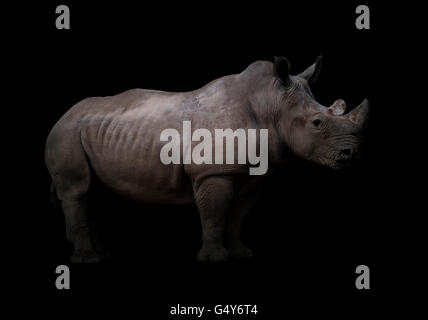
(264, 107)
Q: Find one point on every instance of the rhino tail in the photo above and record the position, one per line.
(53, 195)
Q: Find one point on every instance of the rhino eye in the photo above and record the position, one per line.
(316, 122)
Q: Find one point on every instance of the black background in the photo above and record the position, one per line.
(312, 227)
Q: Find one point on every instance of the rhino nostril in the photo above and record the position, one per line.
(346, 153)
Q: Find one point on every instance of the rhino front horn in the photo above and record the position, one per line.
(360, 113)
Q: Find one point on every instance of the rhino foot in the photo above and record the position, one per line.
(85, 256)
(103, 253)
(213, 254)
(240, 251)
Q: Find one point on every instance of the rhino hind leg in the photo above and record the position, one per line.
(213, 198)
(72, 178)
(78, 231)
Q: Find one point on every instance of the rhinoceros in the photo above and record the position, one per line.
(117, 139)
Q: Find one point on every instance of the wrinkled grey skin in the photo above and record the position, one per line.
(116, 138)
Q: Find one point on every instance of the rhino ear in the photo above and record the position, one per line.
(338, 108)
(281, 70)
(312, 73)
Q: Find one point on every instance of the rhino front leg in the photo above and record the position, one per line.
(242, 205)
(213, 198)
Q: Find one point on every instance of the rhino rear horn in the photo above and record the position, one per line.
(281, 70)
(312, 73)
(360, 114)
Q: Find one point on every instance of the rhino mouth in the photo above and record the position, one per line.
(344, 157)
(340, 159)
(335, 163)
(343, 163)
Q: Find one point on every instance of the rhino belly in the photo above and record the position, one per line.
(127, 160)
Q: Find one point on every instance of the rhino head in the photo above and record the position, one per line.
(325, 135)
